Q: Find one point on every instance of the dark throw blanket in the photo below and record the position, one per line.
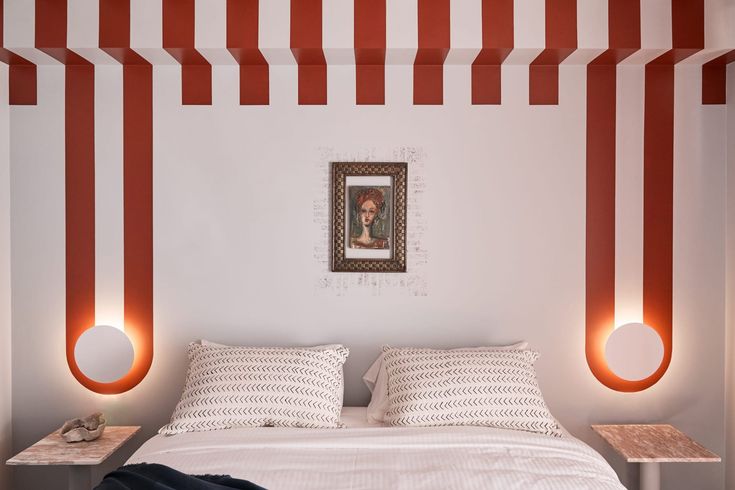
(159, 477)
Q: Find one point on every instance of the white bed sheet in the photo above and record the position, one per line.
(371, 456)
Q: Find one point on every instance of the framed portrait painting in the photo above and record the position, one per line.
(369, 217)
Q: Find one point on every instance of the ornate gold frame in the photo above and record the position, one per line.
(398, 171)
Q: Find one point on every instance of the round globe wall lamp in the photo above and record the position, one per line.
(634, 351)
(104, 354)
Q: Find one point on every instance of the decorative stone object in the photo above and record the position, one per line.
(86, 429)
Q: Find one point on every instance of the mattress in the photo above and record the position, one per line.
(370, 456)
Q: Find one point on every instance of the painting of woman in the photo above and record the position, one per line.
(370, 225)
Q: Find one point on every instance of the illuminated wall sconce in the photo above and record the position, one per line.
(634, 351)
(104, 354)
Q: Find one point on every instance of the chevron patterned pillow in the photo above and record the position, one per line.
(428, 387)
(259, 387)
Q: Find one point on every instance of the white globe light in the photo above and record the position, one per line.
(634, 351)
(104, 353)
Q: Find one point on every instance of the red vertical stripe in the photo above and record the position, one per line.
(624, 24)
(561, 41)
(79, 182)
(687, 24)
(306, 46)
(178, 40)
(50, 23)
(497, 43)
(242, 42)
(714, 79)
(370, 44)
(658, 203)
(21, 72)
(624, 39)
(600, 225)
(137, 190)
(433, 47)
(138, 217)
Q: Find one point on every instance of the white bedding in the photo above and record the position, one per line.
(371, 456)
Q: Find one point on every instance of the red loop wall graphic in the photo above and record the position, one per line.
(80, 184)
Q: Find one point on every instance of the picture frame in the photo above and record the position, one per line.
(369, 216)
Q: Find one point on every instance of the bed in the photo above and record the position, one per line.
(369, 456)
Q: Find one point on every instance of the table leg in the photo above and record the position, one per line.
(80, 477)
(650, 476)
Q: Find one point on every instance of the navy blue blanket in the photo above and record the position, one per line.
(159, 477)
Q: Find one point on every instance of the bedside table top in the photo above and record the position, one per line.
(644, 443)
(53, 450)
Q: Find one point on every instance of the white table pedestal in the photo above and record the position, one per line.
(650, 477)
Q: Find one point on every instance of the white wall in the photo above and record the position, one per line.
(5, 378)
(730, 357)
(239, 245)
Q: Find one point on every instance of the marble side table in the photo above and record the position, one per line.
(651, 445)
(78, 456)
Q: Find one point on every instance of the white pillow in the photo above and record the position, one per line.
(376, 379)
(316, 347)
(430, 388)
(230, 387)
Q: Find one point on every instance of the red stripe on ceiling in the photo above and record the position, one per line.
(624, 24)
(658, 205)
(561, 41)
(600, 220)
(306, 46)
(21, 72)
(370, 45)
(714, 79)
(79, 198)
(50, 23)
(178, 40)
(497, 43)
(138, 217)
(433, 47)
(687, 24)
(51, 32)
(242, 42)
(114, 34)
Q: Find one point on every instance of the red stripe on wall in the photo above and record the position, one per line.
(497, 43)
(658, 204)
(370, 44)
(433, 47)
(21, 72)
(137, 190)
(178, 40)
(242, 42)
(138, 217)
(714, 79)
(624, 39)
(306, 46)
(561, 41)
(80, 211)
(600, 219)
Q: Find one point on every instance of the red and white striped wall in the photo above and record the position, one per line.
(630, 49)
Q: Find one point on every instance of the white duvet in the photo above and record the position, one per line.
(363, 456)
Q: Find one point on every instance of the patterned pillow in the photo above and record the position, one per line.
(429, 387)
(258, 387)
